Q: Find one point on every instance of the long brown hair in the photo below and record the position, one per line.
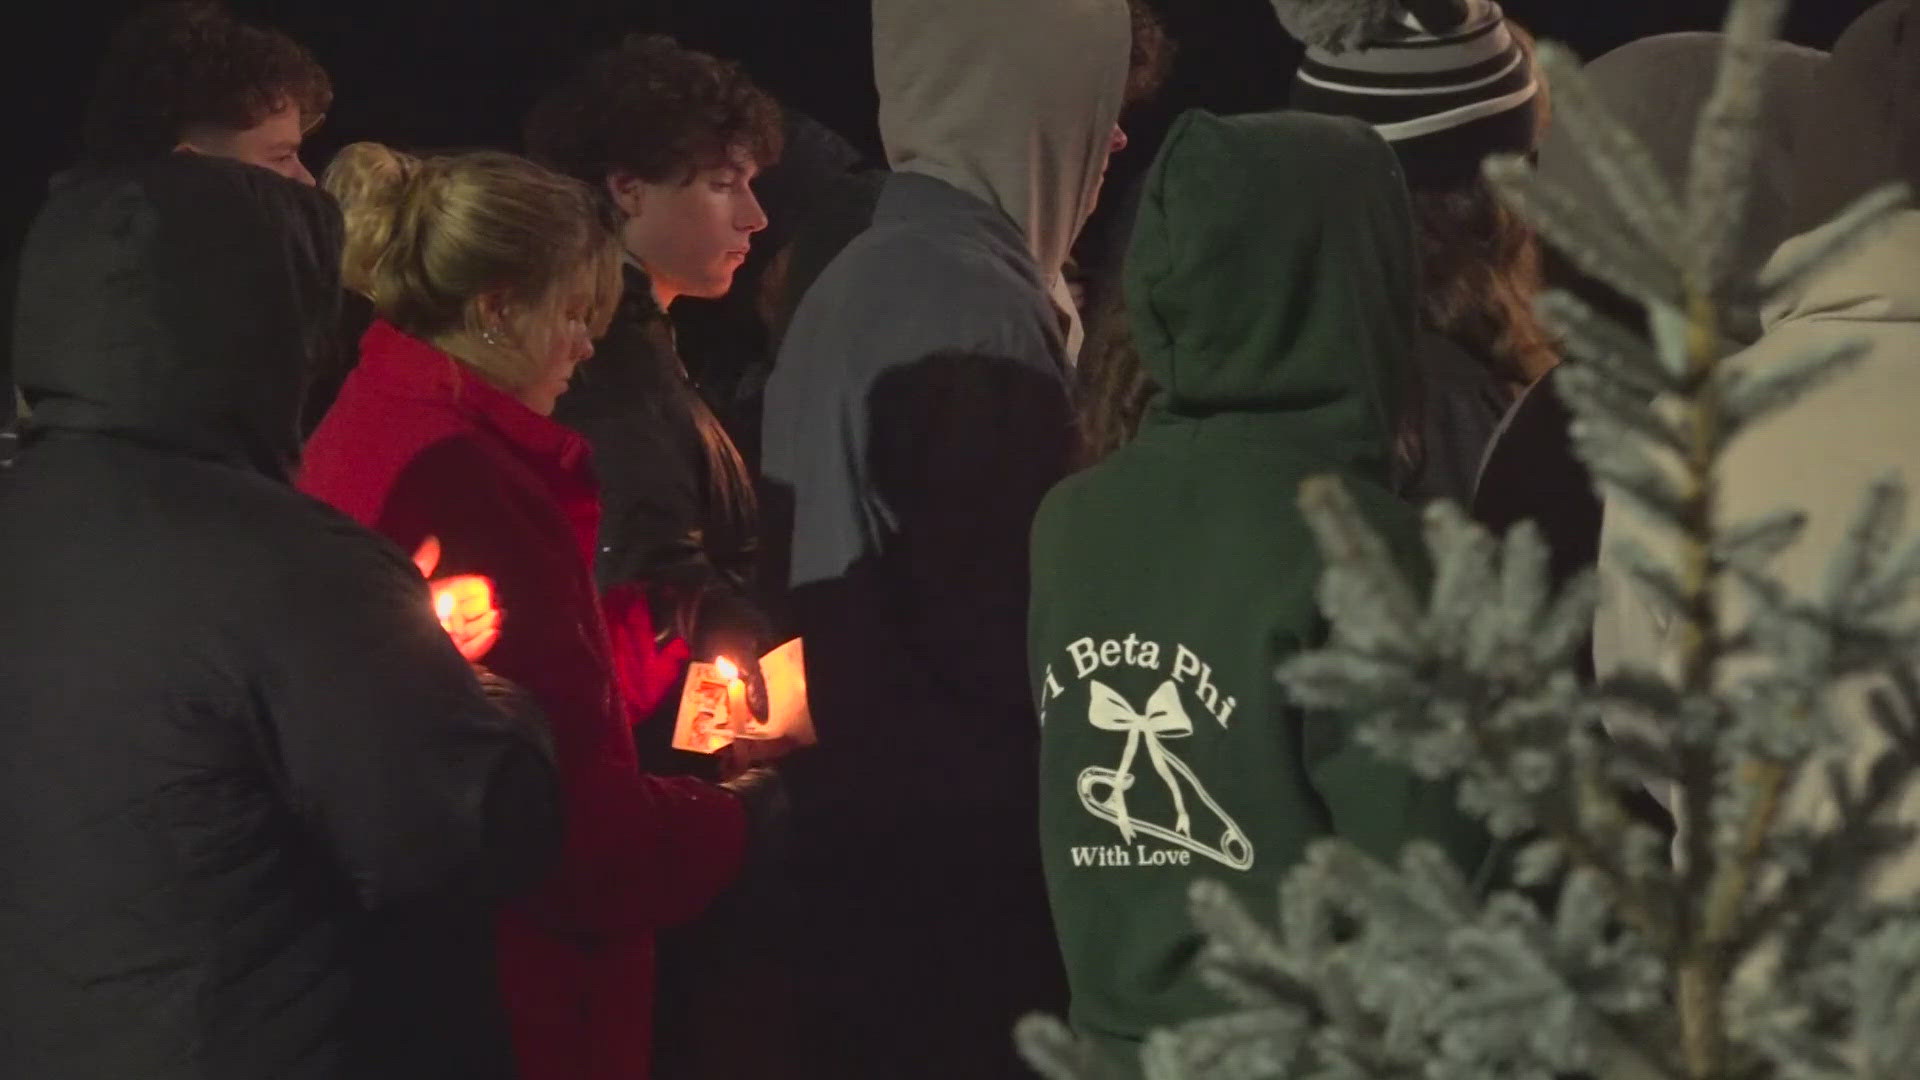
(1479, 277)
(1113, 387)
(1480, 265)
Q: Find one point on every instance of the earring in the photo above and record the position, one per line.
(492, 337)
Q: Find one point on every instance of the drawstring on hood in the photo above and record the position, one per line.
(181, 303)
(1011, 101)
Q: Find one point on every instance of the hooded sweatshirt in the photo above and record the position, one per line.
(916, 416)
(1820, 454)
(918, 411)
(254, 808)
(1169, 580)
(1012, 102)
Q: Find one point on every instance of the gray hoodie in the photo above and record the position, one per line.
(918, 410)
(915, 417)
(1012, 102)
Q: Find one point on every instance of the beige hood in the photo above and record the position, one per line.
(1012, 102)
(1817, 456)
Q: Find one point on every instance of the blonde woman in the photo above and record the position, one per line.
(489, 275)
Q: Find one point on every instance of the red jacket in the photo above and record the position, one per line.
(419, 445)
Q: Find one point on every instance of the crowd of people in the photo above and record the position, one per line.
(266, 812)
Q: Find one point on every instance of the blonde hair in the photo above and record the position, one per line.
(359, 178)
(428, 236)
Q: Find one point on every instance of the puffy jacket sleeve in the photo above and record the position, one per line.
(650, 479)
(410, 776)
(641, 852)
(656, 449)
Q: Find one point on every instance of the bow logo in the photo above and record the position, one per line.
(1164, 717)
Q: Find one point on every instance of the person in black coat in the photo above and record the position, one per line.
(254, 805)
(187, 76)
(674, 140)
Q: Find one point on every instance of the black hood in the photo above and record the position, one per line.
(181, 304)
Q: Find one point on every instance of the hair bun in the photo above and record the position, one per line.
(373, 184)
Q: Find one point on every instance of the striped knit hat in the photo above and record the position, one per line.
(1447, 82)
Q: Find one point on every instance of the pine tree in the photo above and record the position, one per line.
(1752, 947)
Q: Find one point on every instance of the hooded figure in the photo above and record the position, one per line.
(1656, 87)
(1820, 455)
(1170, 579)
(1022, 121)
(254, 807)
(916, 416)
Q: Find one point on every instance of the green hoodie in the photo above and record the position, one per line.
(1271, 284)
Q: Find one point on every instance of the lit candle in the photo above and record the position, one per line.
(736, 695)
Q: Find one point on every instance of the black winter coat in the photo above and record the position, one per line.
(679, 515)
(254, 807)
(9, 412)
(1456, 405)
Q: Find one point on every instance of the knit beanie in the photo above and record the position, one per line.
(1446, 82)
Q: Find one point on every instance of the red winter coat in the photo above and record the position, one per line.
(418, 445)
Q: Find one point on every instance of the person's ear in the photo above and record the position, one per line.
(489, 315)
(628, 192)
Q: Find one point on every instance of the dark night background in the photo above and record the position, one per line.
(427, 73)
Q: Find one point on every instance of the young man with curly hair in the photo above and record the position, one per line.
(186, 75)
(189, 76)
(673, 139)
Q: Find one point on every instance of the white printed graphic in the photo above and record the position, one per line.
(1164, 718)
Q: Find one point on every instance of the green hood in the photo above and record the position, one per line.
(1272, 276)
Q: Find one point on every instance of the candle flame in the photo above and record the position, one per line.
(443, 605)
(728, 669)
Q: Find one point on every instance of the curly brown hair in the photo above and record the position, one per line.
(1112, 385)
(653, 109)
(1480, 274)
(183, 64)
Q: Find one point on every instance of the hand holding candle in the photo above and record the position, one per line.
(463, 604)
(717, 707)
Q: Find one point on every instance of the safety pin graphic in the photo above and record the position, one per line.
(1164, 717)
